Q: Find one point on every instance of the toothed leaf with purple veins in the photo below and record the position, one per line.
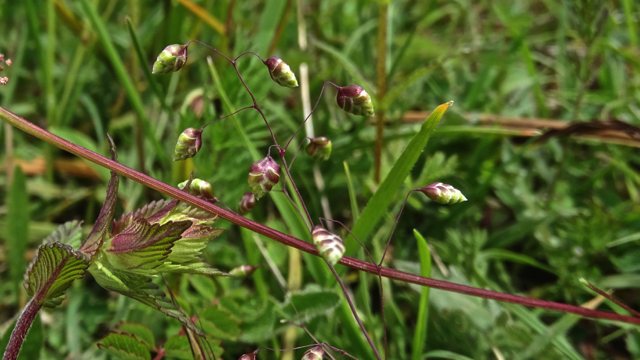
(124, 346)
(144, 212)
(69, 233)
(443, 193)
(53, 269)
(199, 188)
(315, 353)
(329, 246)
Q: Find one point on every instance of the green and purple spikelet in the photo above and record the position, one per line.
(188, 144)
(319, 148)
(172, 58)
(355, 100)
(443, 193)
(263, 176)
(315, 353)
(328, 245)
(281, 72)
(199, 188)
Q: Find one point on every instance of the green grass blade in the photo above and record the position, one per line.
(253, 256)
(394, 180)
(145, 69)
(124, 78)
(348, 65)
(355, 212)
(444, 354)
(558, 328)
(17, 227)
(420, 334)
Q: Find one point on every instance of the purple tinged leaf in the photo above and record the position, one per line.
(51, 272)
(94, 241)
(144, 212)
(143, 245)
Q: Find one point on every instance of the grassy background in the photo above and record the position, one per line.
(539, 217)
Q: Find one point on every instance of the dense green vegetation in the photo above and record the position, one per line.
(540, 216)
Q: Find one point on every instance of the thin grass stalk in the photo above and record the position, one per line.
(288, 240)
(381, 78)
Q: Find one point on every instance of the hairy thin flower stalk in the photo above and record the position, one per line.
(20, 330)
(288, 240)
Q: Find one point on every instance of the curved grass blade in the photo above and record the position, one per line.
(394, 180)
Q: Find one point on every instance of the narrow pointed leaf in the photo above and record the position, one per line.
(124, 346)
(52, 271)
(17, 226)
(378, 204)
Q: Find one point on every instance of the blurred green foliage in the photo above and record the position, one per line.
(539, 217)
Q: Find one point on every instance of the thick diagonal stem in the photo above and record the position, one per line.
(288, 240)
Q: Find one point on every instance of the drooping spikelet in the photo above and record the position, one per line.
(172, 58)
(243, 270)
(319, 148)
(188, 144)
(315, 353)
(199, 188)
(355, 100)
(247, 203)
(443, 193)
(263, 176)
(328, 245)
(281, 72)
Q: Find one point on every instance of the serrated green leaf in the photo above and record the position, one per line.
(69, 233)
(311, 303)
(144, 212)
(138, 287)
(220, 323)
(124, 346)
(141, 332)
(260, 328)
(179, 347)
(377, 206)
(53, 269)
